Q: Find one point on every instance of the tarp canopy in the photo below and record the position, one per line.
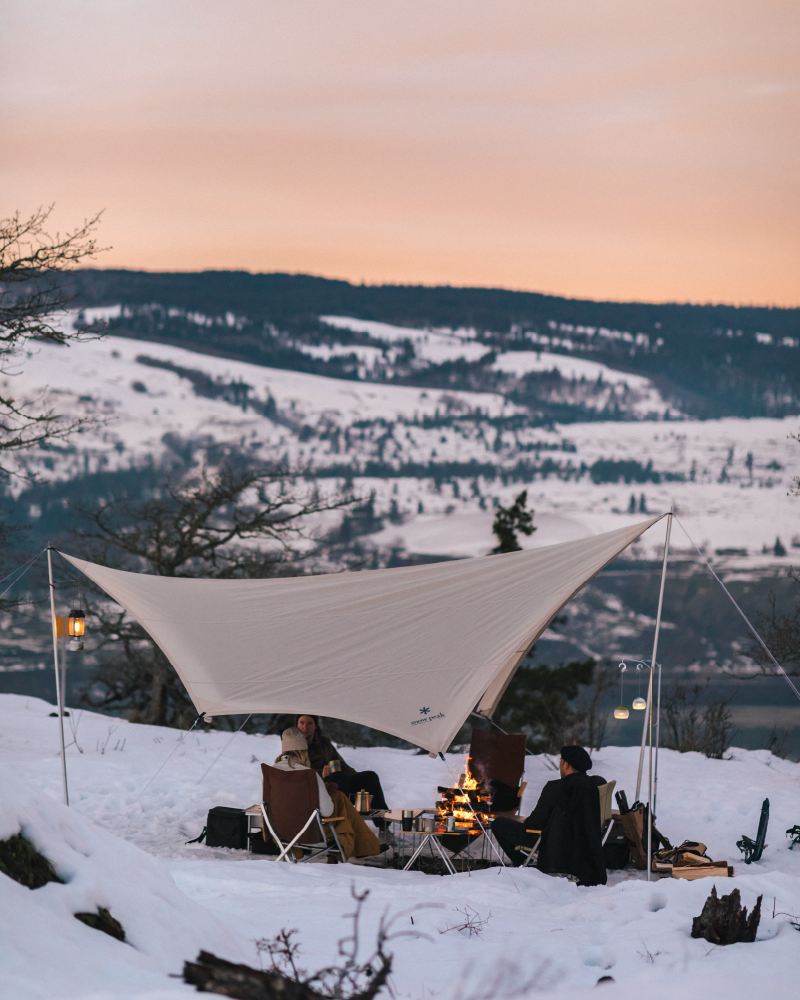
(409, 651)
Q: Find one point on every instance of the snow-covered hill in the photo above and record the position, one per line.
(439, 461)
(559, 938)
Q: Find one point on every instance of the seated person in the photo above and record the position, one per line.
(321, 752)
(354, 835)
(568, 816)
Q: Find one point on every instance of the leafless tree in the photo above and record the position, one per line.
(32, 292)
(235, 521)
(781, 633)
(689, 725)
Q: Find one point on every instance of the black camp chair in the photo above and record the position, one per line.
(497, 761)
(753, 849)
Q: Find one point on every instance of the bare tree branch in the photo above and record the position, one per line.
(32, 293)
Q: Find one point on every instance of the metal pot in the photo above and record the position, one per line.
(363, 801)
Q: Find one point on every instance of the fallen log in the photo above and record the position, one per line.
(210, 974)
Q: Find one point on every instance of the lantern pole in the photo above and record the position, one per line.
(59, 697)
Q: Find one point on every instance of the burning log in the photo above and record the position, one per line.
(468, 802)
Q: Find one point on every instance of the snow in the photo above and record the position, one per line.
(522, 362)
(470, 534)
(436, 346)
(723, 504)
(45, 951)
(176, 898)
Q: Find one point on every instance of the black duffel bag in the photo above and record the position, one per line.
(616, 851)
(225, 827)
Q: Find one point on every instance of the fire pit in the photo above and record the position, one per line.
(464, 808)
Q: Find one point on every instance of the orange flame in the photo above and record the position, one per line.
(460, 806)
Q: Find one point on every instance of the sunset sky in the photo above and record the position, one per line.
(598, 148)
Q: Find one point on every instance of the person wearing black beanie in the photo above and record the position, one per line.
(577, 758)
(568, 817)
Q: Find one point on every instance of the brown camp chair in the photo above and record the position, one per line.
(606, 793)
(290, 810)
(498, 757)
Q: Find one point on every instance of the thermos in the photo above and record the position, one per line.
(408, 820)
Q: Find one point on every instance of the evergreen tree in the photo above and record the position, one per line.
(509, 520)
(632, 504)
(540, 702)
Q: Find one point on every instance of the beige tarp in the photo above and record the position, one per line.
(409, 651)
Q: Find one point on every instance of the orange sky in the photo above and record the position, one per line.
(598, 148)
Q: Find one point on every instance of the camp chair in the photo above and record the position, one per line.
(290, 811)
(499, 757)
(606, 793)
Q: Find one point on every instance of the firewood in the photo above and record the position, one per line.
(725, 921)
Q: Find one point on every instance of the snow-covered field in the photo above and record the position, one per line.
(726, 500)
(174, 899)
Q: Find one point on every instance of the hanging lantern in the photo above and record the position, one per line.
(76, 629)
(639, 703)
(621, 712)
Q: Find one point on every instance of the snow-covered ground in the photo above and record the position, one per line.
(175, 898)
(429, 345)
(728, 479)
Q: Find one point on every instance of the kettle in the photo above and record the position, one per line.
(363, 801)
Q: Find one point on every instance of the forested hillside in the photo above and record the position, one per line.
(707, 360)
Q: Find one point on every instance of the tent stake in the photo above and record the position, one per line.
(59, 692)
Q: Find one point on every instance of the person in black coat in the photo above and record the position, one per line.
(568, 816)
(321, 752)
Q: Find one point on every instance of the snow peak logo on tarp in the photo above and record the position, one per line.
(426, 716)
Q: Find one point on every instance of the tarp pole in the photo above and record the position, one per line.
(653, 660)
(647, 728)
(59, 692)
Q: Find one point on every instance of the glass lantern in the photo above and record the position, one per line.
(621, 711)
(76, 629)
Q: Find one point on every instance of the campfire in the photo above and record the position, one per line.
(468, 803)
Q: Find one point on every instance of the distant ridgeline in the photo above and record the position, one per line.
(706, 361)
